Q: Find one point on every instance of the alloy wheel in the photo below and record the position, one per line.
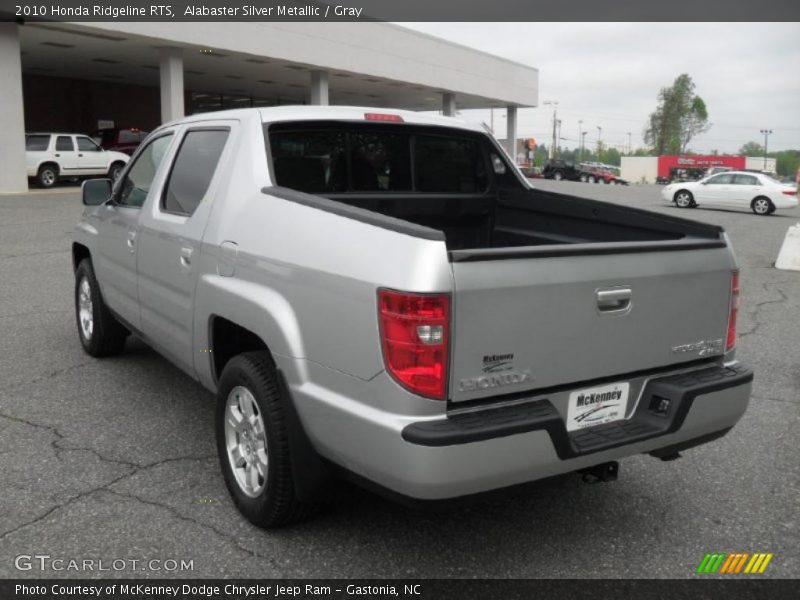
(246, 441)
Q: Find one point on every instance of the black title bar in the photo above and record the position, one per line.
(399, 10)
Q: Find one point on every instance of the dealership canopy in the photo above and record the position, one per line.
(76, 77)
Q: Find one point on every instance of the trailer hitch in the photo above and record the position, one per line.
(603, 472)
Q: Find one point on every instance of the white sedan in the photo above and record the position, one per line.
(759, 192)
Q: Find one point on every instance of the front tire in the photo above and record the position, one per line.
(684, 199)
(590, 179)
(99, 331)
(253, 442)
(114, 171)
(47, 176)
(558, 176)
(762, 206)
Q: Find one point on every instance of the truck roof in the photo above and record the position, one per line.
(277, 114)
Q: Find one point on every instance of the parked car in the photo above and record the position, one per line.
(759, 192)
(560, 169)
(382, 296)
(120, 140)
(531, 172)
(662, 180)
(592, 174)
(53, 156)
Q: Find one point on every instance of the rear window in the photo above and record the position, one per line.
(36, 143)
(369, 159)
(449, 165)
(128, 136)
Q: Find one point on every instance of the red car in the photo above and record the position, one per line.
(121, 140)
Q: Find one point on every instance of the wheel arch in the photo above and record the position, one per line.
(47, 162)
(228, 339)
(678, 191)
(79, 252)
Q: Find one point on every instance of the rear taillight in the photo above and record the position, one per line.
(386, 118)
(734, 311)
(415, 337)
(790, 192)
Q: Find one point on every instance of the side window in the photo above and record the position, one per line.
(193, 169)
(745, 180)
(137, 182)
(64, 144)
(724, 179)
(449, 165)
(85, 144)
(37, 143)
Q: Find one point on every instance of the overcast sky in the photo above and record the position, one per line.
(609, 75)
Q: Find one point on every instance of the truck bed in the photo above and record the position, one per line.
(528, 219)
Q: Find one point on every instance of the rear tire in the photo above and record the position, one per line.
(684, 199)
(558, 176)
(762, 206)
(99, 331)
(590, 179)
(253, 442)
(583, 178)
(47, 176)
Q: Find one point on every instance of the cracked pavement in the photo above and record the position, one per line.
(115, 458)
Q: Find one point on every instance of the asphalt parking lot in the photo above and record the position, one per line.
(115, 459)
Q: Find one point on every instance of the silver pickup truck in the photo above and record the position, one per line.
(381, 295)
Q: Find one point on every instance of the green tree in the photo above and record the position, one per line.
(680, 116)
(540, 155)
(786, 161)
(752, 149)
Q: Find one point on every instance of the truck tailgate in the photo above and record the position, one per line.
(535, 322)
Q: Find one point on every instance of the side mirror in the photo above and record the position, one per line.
(95, 192)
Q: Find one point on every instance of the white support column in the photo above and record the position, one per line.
(511, 132)
(449, 104)
(171, 84)
(318, 94)
(12, 115)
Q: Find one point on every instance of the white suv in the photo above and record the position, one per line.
(50, 156)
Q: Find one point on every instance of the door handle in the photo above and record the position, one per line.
(80, 154)
(615, 301)
(131, 241)
(186, 257)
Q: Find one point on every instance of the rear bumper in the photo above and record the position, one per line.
(486, 449)
(679, 391)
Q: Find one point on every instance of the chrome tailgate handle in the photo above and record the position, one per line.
(614, 301)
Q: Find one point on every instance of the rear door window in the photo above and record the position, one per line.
(745, 180)
(724, 179)
(193, 169)
(64, 143)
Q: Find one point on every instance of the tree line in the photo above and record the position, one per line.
(679, 117)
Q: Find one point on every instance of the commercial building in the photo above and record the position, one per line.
(77, 76)
(645, 169)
